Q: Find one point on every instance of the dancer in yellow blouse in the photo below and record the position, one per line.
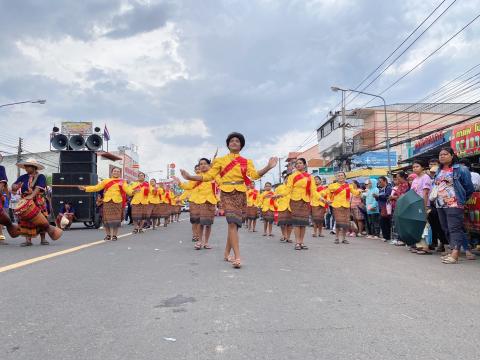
(340, 193)
(140, 190)
(318, 207)
(269, 208)
(300, 186)
(115, 191)
(253, 197)
(283, 208)
(236, 173)
(153, 202)
(204, 199)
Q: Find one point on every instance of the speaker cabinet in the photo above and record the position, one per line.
(72, 179)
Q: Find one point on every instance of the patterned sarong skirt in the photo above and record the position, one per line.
(235, 205)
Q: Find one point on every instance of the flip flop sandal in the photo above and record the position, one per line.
(304, 247)
(423, 252)
(264, 235)
(236, 264)
(25, 244)
(282, 239)
(44, 243)
(229, 259)
(471, 257)
(135, 231)
(321, 235)
(208, 247)
(298, 247)
(107, 238)
(114, 238)
(313, 235)
(270, 235)
(450, 260)
(289, 241)
(198, 246)
(336, 241)
(345, 242)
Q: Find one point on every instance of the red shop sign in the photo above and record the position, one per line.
(466, 140)
(472, 213)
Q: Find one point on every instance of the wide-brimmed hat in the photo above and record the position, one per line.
(30, 162)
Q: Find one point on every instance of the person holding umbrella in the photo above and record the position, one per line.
(453, 187)
(422, 184)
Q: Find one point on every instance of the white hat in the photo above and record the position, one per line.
(30, 162)
(64, 222)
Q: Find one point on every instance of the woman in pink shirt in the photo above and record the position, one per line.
(422, 185)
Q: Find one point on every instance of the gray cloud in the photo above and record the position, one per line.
(141, 18)
(258, 67)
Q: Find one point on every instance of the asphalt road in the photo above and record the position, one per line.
(151, 296)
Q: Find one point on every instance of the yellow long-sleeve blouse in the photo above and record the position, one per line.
(253, 197)
(265, 202)
(283, 202)
(113, 193)
(317, 195)
(154, 196)
(139, 196)
(201, 192)
(232, 180)
(298, 190)
(340, 200)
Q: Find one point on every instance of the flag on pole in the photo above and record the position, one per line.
(106, 134)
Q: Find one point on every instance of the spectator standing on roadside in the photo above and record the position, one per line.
(384, 192)
(373, 214)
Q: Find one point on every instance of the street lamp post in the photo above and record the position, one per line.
(387, 139)
(42, 101)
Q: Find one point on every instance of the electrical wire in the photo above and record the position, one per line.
(406, 49)
(426, 58)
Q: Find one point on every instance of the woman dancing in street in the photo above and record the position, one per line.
(153, 202)
(140, 190)
(236, 173)
(115, 191)
(283, 209)
(301, 187)
(269, 208)
(252, 207)
(204, 199)
(340, 193)
(318, 207)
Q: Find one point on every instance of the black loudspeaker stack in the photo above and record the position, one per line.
(76, 168)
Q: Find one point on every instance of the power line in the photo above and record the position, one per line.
(426, 58)
(408, 47)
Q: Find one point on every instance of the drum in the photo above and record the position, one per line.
(27, 210)
(12, 229)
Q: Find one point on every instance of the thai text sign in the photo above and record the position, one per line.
(466, 140)
(431, 141)
(472, 213)
(74, 128)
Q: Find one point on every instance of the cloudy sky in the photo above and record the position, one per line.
(174, 77)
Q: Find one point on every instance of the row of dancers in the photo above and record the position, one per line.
(227, 182)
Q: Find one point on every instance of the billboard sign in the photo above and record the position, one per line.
(374, 159)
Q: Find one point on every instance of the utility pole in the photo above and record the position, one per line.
(279, 170)
(343, 126)
(19, 154)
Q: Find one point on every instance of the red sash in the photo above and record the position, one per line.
(145, 188)
(253, 195)
(243, 168)
(321, 188)
(213, 183)
(275, 212)
(309, 181)
(197, 184)
(345, 187)
(167, 197)
(120, 186)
